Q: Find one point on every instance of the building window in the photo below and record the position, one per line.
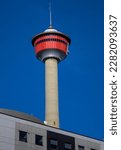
(38, 140)
(93, 149)
(80, 147)
(67, 146)
(53, 144)
(22, 136)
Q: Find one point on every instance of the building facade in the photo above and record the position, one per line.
(19, 131)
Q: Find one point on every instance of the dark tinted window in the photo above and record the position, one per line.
(57, 141)
(23, 136)
(38, 140)
(53, 144)
(80, 147)
(67, 146)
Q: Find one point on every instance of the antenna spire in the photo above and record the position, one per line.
(50, 11)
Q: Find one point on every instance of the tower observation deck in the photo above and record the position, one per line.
(51, 47)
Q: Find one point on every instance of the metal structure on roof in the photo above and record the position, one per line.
(20, 115)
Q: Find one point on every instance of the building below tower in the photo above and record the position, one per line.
(19, 131)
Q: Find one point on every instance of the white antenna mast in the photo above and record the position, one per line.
(50, 11)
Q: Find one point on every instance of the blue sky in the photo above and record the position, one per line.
(81, 93)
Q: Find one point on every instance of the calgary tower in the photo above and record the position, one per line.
(51, 47)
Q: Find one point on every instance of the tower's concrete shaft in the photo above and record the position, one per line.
(51, 89)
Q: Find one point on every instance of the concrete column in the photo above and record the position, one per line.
(51, 89)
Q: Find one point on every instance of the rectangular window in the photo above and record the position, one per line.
(54, 144)
(67, 146)
(39, 140)
(93, 149)
(22, 136)
(80, 147)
